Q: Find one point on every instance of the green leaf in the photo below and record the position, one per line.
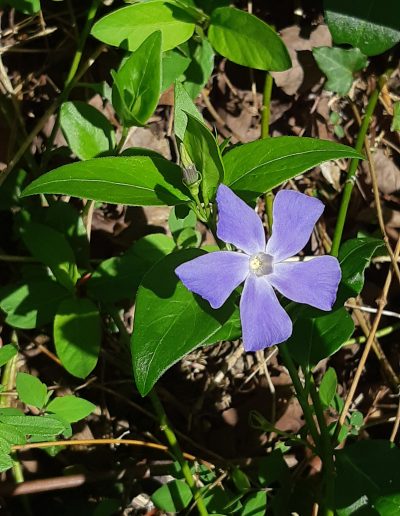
(317, 335)
(339, 65)
(31, 305)
(118, 278)
(77, 335)
(367, 477)
(11, 434)
(137, 84)
(130, 26)
(87, 131)
(354, 257)
(51, 248)
(396, 117)
(172, 497)
(7, 352)
(200, 68)
(370, 25)
(34, 425)
(247, 40)
(181, 217)
(204, 152)
(230, 330)
(240, 479)
(174, 63)
(170, 321)
(70, 408)
(5, 462)
(327, 388)
(26, 6)
(183, 104)
(135, 181)
(31, 390)
(255, 504)
(257, 167)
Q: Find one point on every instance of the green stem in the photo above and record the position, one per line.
(165, 424)
(122, 140)
(380, 333)
(266, 107)
(301, 393)
(265, 119)
(326, 448)
(177, 452)
(351, 174)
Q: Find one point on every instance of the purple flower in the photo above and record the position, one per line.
(263, 265)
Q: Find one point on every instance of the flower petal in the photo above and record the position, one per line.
(314, 282)
(238, 224)
(264, 321)
(214, 276)
(294, 217)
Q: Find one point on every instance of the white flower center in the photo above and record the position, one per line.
(261, 264)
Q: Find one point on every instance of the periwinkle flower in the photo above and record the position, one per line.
(264, 266)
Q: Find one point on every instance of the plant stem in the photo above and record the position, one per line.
(301, 393)
(380, 333)
(351, 173)
(266, 107)
(177, 452)
(265, 119)
(326, 447)
(122, 140)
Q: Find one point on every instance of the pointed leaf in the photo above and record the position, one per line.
(183, 104)
(203, 150)
(257, 167)
(137, 84)
(170, 321)
(135, 181)
(31, 390)
(77, 335)
(87, 131)
(174, 63)
(70, 408)
(247, 40)
(130, 26)
(7, 352)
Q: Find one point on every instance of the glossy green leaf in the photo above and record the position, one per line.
(172, 497)
(339, 65)
(354, 257)
(255, 504)
(230, 330)
(34, 425)
(130, 26)
(327, 388)
(87, 131)
(119, 277)
(183, 104)
(77, 335)
(200, 68)
(170, 321)
(70, 408)
(31, 305)
(204, 152)
(246, 40)
(137, 84)
(7, 352)
(135, 181)
(257, 167)
(174, 63)
(317, 335)
(31, 390)
(367, 478)
(396, 117)
(52, 249)
(181, 217)
(371, 25)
